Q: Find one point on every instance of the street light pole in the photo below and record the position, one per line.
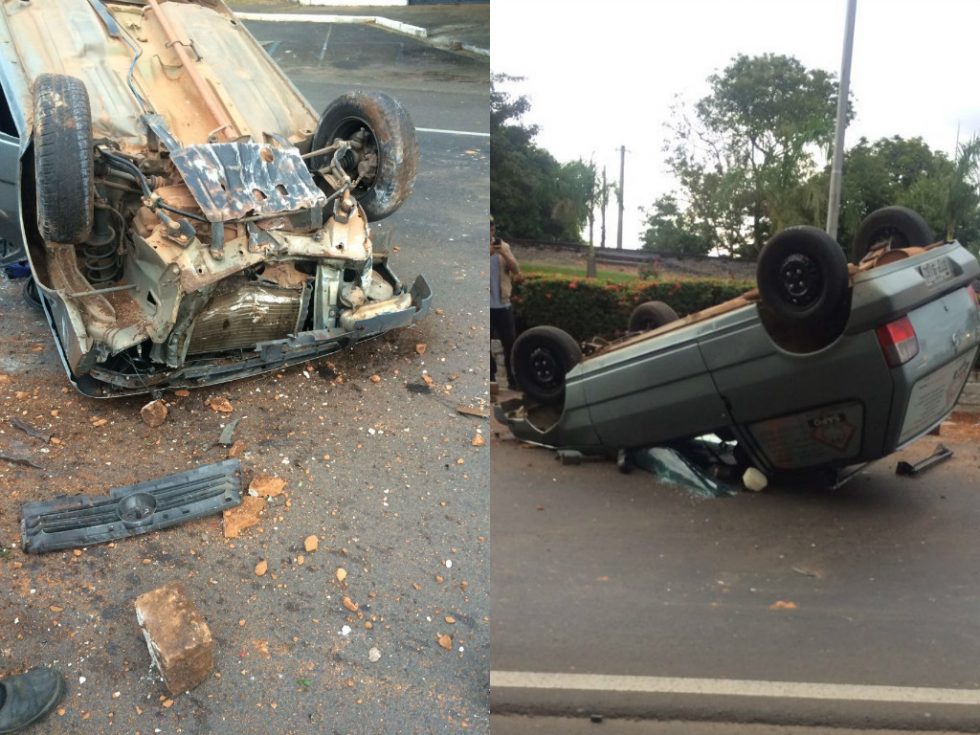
(837, 167)
(622, 169)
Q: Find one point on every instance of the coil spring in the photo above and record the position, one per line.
(102, 259)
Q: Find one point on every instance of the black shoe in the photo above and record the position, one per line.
(28, 697)
(511, 385)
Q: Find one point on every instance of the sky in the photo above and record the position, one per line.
(604, 74)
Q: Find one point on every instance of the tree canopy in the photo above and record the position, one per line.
(533, 195)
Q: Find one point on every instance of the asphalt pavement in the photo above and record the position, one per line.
(381, 468)
(621, 596)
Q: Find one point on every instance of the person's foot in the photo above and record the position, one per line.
(25, 698)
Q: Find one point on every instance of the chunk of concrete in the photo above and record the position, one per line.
(177, 636)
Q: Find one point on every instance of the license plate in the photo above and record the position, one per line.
(936, 271)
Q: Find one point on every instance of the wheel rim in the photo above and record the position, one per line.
(800, 280)
(346, 130)
(545, 368)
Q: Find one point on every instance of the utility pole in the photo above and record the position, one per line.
(605, 203)
(590, 258)
(837, 167)
(622, 169)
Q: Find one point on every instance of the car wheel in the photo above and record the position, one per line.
(802, 275)
(541, 357)
(63, 158)
(31, 294)
(651, 315)
(899, 226)
(388, 136)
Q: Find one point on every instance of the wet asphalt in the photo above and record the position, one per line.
(876, 583)
(384, 471)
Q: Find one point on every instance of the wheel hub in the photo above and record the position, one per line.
(800, 280)
(544, 367)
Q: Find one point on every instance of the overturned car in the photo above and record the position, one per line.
(188, 218)
(825, 366)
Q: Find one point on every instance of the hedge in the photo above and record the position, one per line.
(590, 308)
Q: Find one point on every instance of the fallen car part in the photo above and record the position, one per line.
(939, 455)
(31, 430)
(20, 460)
(228, 432)
(82, 520)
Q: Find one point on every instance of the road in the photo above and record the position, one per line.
(384, 473)
(851, 608)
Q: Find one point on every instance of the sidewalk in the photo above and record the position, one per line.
(455, 27)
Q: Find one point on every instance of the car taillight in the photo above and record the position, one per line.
(898, 341)
(973, 295)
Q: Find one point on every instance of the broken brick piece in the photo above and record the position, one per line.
(154, 413)
(244, 516)
(177, 636)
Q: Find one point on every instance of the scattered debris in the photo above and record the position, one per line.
(450, 620)
(177, 636)
(31, 430)
(154, 413)
(246, 515)
(427, 379)
(420, 348)
(939, 455)
(782, 605)
(20, 460)
(446, 641)
(228, 432)
(268, 486)
(480, 413)
(237, 449)
(478, 441)
(83, 520)
(375, 378)
(311, 543)
(341, 574)
(219, 404)
(753, 480)
(806, 572)
(261, 568)
(374, 655)
(350, 604)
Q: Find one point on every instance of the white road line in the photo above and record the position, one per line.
(732, 688)
(393, 25)
(453, 132)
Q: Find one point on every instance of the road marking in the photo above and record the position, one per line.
(732, 688)
(378, 20)
(452, 132)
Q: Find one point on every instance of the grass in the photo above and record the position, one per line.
(576, 271)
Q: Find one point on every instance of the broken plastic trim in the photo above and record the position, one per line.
(82, 520)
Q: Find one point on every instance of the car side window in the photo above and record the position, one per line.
(7, 124)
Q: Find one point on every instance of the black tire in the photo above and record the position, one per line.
(540, 359)
(31, 294)
(651, 315)
(901, 226)
(802, 275)
(64, 173)
(391, 135)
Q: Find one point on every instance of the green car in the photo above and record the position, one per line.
(827, 365)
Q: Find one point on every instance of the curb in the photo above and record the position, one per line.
(378, 20)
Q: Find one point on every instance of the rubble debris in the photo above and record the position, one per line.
(20, 460)
(311, 543)
(341, 574)
(478, 441)
(31, 430)
(154, 413)
(246, 515)
(940, 454)
(177, 636)
(420, 348)
(350, 604)
(445, 641)
(268, 486)
(237, 449)
(753, 480)
(82, 520)
(783, 605)
(374, 655)
(261, 568)
(228, 432)
(220, 404)
(480, 413)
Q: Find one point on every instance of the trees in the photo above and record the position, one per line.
(753, 140)
(533, 195)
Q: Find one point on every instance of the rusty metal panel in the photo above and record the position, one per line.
(232, 180)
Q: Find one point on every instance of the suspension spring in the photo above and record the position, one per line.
(101, 256)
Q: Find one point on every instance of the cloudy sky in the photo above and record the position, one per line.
(602, 74)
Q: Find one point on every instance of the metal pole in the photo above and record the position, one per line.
(622, 167)
(837, 167)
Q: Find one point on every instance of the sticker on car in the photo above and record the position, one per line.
(934, 396)
(826, 434)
